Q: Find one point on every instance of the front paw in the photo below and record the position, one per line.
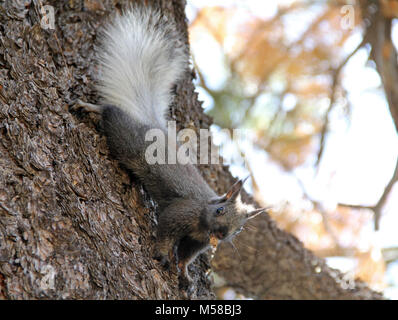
(185, 283)
(163, 260)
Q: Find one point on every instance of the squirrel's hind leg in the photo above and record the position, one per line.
(184, 279)
(164, 253)
(89, 107)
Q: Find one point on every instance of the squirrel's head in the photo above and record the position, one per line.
(226, 215)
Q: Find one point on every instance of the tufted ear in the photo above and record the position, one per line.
(232, 193)
(255, 213)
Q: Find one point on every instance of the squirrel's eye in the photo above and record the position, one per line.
(220, 211)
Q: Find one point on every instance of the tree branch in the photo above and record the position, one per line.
(378, 207)
(378, 35)
(335, 76)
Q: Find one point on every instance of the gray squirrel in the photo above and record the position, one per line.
(140, 58)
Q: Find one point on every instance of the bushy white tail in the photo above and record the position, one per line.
(140, 57)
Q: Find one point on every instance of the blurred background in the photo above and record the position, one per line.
(312, 83)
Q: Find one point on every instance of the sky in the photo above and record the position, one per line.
(360, 156)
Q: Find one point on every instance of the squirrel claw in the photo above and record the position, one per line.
(89, 107)
(164, 261)
(185, 284)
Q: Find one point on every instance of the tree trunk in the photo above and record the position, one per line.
(73, 224)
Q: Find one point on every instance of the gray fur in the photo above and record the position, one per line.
(141, 59)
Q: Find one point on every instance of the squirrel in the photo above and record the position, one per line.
(140, 57)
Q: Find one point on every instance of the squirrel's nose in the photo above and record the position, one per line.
(221, 233)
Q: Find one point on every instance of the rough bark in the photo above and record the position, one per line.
(73, 224)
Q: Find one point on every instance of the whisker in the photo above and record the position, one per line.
(236, 249)
(247, 246)
(251, 228)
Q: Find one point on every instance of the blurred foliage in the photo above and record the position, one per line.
(263, 61)
(282, 83)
